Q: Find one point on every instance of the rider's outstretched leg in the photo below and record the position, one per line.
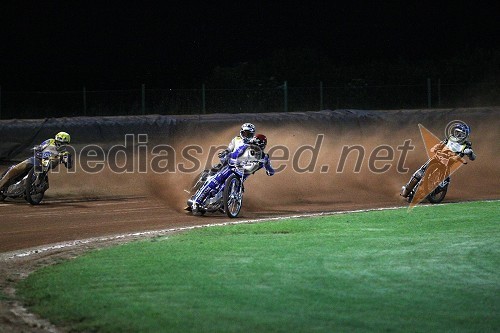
(415, 178)
(14, 172)
(201, 195)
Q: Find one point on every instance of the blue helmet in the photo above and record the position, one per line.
(460, 132)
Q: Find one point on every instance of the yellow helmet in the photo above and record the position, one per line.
(63, 138)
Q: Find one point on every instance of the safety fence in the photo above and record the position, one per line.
(357, 94)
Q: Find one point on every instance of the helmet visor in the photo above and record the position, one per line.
(246, 134)
(59, 144)
(460, 134)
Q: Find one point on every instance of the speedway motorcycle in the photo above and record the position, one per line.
(436, 178)
(32, 184)
(228, 196)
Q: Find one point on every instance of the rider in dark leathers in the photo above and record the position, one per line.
(457, 142)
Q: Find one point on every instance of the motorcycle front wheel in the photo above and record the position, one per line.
(33, 196)
(233, 196)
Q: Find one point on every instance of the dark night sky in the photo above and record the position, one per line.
(64, 44)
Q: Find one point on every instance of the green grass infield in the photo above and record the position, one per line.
(433, 269)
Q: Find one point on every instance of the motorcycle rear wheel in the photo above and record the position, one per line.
(2, 197)
(199, 212)
(233, 197)
(435, 198)
(32, 196)
(199, 181)
(434, 176)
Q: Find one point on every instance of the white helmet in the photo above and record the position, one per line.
(247, 131)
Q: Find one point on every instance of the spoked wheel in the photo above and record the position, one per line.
(435, 176)
(437, 195)
(233, 196)
(34, 192)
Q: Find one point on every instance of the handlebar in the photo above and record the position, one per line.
(444, 157)
(245, 163)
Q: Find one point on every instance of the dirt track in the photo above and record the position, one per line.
(68, 220)
(80, 206)
(25, 232)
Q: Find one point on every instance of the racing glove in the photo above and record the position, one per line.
(67, 159)
(469, 152)
(267, 164)
(223, 153)
(37, 151)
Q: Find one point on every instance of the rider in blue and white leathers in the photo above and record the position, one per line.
(244, 151)
(247, 133)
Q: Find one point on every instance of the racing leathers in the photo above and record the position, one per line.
(246, 152)
(460, 149)
(47, 149)
(235, 143)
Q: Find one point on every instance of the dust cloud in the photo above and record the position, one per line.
(340, 175)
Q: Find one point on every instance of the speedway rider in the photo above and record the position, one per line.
(247, 132)
(457, 142)
(246, 150)
(56, 147)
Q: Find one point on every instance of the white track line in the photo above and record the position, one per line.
(34, 251)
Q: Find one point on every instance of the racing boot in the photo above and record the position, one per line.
(406, 190)
(189, 205)
(194, 207)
